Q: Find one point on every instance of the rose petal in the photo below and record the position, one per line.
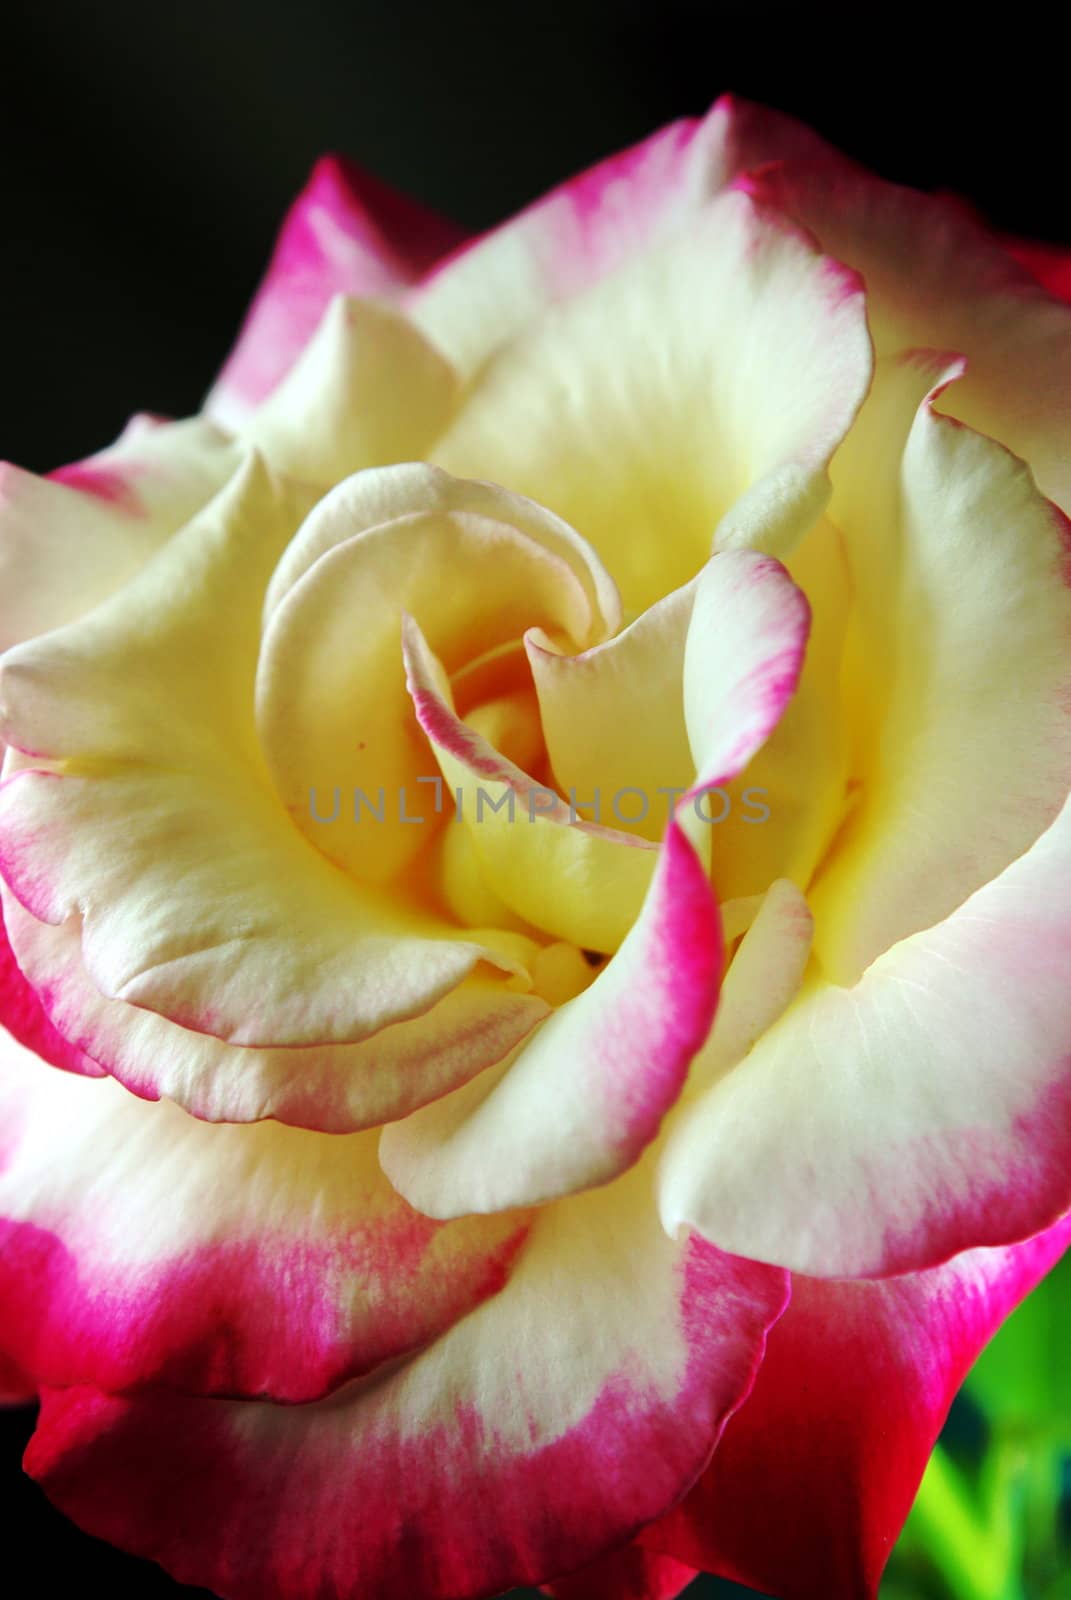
(70, 540)
(740, 328)
(596, 751)
(336, 1088)
(485, 295)
(959, 667)
(799, 774)
(936, 277)
(577, 880)
(924, 1111)
(332, 710)
(405, 490)
(526, 1405)
(856, 1383)
(582, 1099)
(1050, 264)
(786, 806)
(631, 1573)
(367, 389)
(346, 233)
(761, 982)
(257, 939)
(742, 659)
(24, 1016)
(580, 1102)
(247, 1261)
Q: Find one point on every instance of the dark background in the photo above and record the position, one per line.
(147, 155)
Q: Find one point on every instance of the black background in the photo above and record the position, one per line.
(147, 156)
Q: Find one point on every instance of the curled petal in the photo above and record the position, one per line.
(923, 1111)
(742, 659)
(578, 880)
(55, 1008)
(332, 709)
(958, 667)
(579, 1103)
(591, 748)
(416, 488)
(761, 982)
(786, 806)
(258, 940)
(585, 1096)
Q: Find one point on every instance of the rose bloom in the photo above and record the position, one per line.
(405, 1200)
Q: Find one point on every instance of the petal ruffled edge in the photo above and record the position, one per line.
(856, 1383)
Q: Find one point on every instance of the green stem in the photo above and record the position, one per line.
(976, 1555)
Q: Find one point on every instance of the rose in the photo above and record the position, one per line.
(656, 352)
(703, 404)
(532, 1388)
